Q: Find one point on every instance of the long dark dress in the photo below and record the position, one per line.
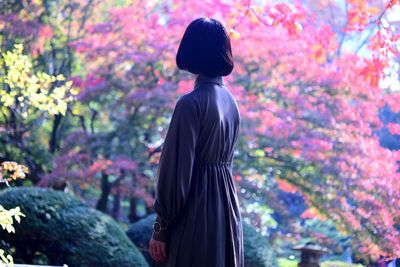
(195, 197)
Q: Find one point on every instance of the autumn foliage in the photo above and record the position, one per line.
(310, 78)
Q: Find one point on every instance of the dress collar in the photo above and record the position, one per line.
(201, 79)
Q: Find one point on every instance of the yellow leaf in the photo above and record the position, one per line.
(372, 11)
(19, 48)
(253, 18)
(74, 91)
(60, 77)
(68, 84)
(77, 109)
(234, 34)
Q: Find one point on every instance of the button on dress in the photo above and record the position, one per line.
(195, 194)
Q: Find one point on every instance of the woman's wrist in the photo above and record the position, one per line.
(157, 227)
(163, 223)
(161, 236)
(160, 230)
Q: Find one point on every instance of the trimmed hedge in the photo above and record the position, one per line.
(257, 250)
(59, 229)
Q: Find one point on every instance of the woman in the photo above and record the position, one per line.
(198, 222)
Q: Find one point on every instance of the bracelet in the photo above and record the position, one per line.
(157, 227)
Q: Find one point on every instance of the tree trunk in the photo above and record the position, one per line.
(132, 210)
(102, 203)
(53, 144)
(116, 209)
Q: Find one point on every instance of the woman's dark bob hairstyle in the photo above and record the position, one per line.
(205, 49)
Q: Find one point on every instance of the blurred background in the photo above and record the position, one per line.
(87, 90)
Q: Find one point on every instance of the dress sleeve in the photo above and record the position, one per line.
(176, 164)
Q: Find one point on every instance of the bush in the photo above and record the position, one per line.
(282, 262)
(257, 250)
(59, 229)
(294, 263)
(140, 234)
(338, 264)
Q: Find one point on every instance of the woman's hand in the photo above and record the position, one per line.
(158, 250)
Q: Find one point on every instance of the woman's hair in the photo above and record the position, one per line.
(205, 49)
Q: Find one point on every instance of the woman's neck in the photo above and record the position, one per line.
(201, 79)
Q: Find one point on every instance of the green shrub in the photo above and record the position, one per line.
(257, 249)
(140, 234)
(282, 262)
(294, 263)
(338, 264)
(59, 229)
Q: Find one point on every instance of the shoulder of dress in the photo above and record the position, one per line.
(190, 97)
(193, 103)
(189, 101)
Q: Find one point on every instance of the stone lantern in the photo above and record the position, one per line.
(310, 254)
